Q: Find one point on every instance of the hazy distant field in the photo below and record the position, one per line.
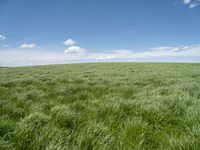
(100, 106)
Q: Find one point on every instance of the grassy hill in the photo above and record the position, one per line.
(100, 106)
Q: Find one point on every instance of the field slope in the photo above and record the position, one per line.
(100, 106)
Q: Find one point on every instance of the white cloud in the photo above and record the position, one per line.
(191, 3)
(177, 48)
(69, 42)
(6, 46)
(2, 37)
(186, 1)
(75, 50)
(105, 58)
(27, 45)
(20, 57)
(158, 52)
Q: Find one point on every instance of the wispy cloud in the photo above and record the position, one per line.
(191, 3)
(2, 37)
(69, 42)
(77, 54)
(6, 46)
(158, 52)
(25, 46)
(186, 1)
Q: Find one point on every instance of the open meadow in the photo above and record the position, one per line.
(100, 106)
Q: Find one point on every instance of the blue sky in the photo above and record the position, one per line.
(64, 31)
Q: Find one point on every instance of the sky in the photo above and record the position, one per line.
(36, 32)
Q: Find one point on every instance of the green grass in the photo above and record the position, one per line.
(100, 106)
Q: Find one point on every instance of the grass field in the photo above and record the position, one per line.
(100, 106)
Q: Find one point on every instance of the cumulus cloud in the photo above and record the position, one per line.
(27, 45)
(2, 37)
(69, 42)
(75, 50)
(191, 3)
